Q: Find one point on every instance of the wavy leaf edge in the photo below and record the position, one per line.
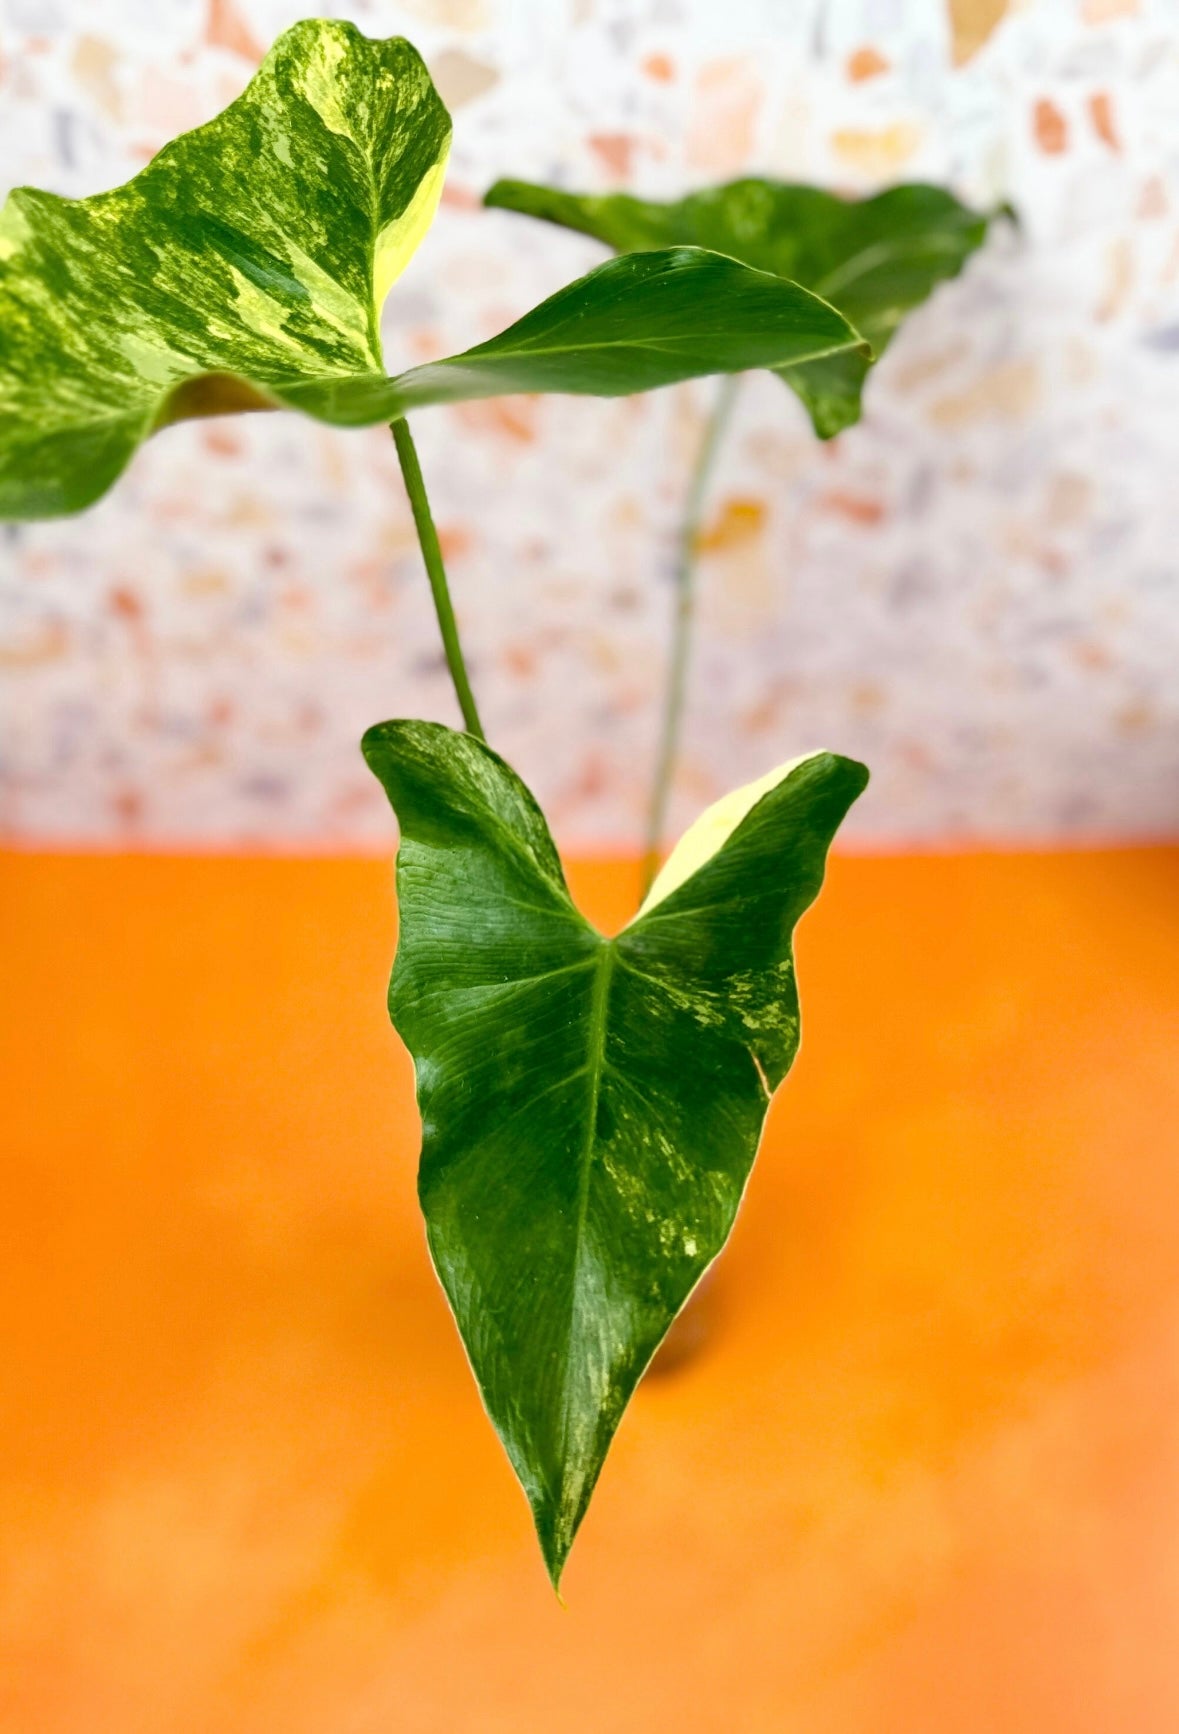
(301, 304)
(750, 212)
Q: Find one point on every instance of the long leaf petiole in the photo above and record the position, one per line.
(415, 487)
(685, 600)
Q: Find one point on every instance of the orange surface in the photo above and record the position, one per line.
(921, 1478)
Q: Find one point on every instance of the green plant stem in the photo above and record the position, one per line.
(681, 641)
(415, 487)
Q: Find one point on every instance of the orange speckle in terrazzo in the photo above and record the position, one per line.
(455, 540)
(876, 151)
(520, 660)
(856, 508)
(768, 711)
(126, 604)
(1119, 279)
(865, 63)
(460, 197)
(615, 151)
(971, 25)
(460, 78)
(47, 644)
(739, 520)
(729, 97)
(167, 105)
(1106, 11)
(1101, 114)
(222, 439)
(1136, 718)
(868, 697)
(660, 68)
(228, 29)
(206, 581)
(910, 376)
(1010, 390)
(1091, 655)
(127, 805)
(93, 64)
(1050, 127)
(517, 417)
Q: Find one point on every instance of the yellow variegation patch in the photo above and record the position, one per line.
(711, 831)
(259, 248)
(400, 239)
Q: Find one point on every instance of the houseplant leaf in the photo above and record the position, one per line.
(875, 258)
(246, 266)
(249, 257)
(639, 322)
(590, 1107)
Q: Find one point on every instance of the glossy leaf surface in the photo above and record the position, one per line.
(590, 1107)
(874, 258)
(246, 267)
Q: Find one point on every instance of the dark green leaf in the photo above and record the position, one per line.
(639, 322)
(246, 266)
(590, 1107)
(875, 259)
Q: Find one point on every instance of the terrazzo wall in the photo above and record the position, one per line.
(975, 590)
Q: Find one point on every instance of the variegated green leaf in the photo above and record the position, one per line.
(246, 267)
(875, 259)
(256, 250)
(590, 1107)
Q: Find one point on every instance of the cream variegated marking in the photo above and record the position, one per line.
(400, 238)
(712, 830)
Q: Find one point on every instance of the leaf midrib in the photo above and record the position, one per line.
(871, 257)
(595, 1066)
(690, 339)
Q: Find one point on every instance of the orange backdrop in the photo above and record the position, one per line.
(920, 1475)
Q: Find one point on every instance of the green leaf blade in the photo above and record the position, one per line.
(590, 1107)
(876, 258)
(256, 250)
(639, 322)
(246, 265)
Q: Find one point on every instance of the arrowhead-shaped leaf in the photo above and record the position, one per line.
(590, 1107)
(246, 267)
(875, 258)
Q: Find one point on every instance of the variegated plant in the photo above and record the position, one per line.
(590, 1106)
(246, 268)
(878, 258)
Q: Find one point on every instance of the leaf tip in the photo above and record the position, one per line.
(372, 740)
(555, 1544)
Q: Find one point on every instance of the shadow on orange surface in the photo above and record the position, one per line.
(923, 1475)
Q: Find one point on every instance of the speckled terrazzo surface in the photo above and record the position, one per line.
(977, 590)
